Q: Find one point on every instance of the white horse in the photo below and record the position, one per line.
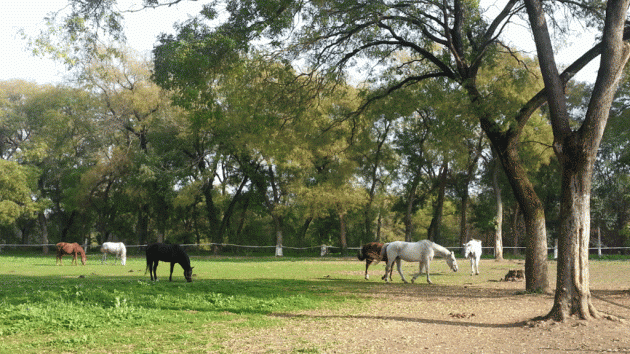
(117, 249)
(421, 251)
(472, 250)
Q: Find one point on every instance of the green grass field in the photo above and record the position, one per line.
(106, 308)
(45, 308)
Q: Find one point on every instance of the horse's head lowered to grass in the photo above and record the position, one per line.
(452, 262)
(168, 253)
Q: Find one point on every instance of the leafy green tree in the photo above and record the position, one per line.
(18, 185)
(333, 36)
(14, 130)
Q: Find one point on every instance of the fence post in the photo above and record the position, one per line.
(599, 243)
(555, 249)
(323, 250)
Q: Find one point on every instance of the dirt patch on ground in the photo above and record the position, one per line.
(482, 316)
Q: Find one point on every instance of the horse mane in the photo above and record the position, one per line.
(440, 250)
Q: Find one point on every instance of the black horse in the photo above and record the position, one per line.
(157, 252)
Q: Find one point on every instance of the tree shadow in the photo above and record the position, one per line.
(407, 320)
(605, 295)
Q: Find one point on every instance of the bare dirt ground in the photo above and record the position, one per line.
(484, 315)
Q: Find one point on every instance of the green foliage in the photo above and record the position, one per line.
(18, 186)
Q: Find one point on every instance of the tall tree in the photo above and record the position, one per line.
(576, 150)
(453, 42)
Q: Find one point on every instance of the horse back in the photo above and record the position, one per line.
(372, 252)
(410, 251)
(168, 253)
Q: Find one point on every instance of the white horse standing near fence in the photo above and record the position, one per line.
(472, 250)
(118, 249)
(422, 251)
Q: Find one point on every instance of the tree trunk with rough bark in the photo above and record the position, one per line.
(577, 150)
(498, 219)
(573, 296)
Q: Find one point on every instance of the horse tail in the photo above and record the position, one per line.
(361, 254)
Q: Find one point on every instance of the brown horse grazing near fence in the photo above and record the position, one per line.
(64, 248)
(373, 253)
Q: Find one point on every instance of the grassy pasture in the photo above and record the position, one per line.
(107, 308)
(98, 308)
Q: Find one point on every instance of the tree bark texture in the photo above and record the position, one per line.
(498, 220)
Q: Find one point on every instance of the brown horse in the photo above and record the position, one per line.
(373, 253)
(64, 248)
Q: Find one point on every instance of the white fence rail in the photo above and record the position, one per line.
(323, 249)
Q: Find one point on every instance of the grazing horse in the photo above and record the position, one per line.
(372, 254)
(421, 251)
(472, 250)
(118, 249)
(64, 248)
(157, 252)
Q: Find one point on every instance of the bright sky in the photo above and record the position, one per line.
(16, 61)
(142, 29)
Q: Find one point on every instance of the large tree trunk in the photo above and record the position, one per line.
(573, 295)
(536, 277)
(505, 144)
(576, 151)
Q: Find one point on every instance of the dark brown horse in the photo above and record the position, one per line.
(157, 252)
(373, 253)
(74, 249)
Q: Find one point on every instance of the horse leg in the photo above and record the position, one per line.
(367, 265)
(74, 259)
(419, 272)
(472, 265)
(427, 266)
(153, 271)
(477, 265)
(170, 278)
(388, 269)
(398, 266)
(104, 258)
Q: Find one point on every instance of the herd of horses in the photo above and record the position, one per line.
(374, 252)
(155, 253)
(422, 252)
